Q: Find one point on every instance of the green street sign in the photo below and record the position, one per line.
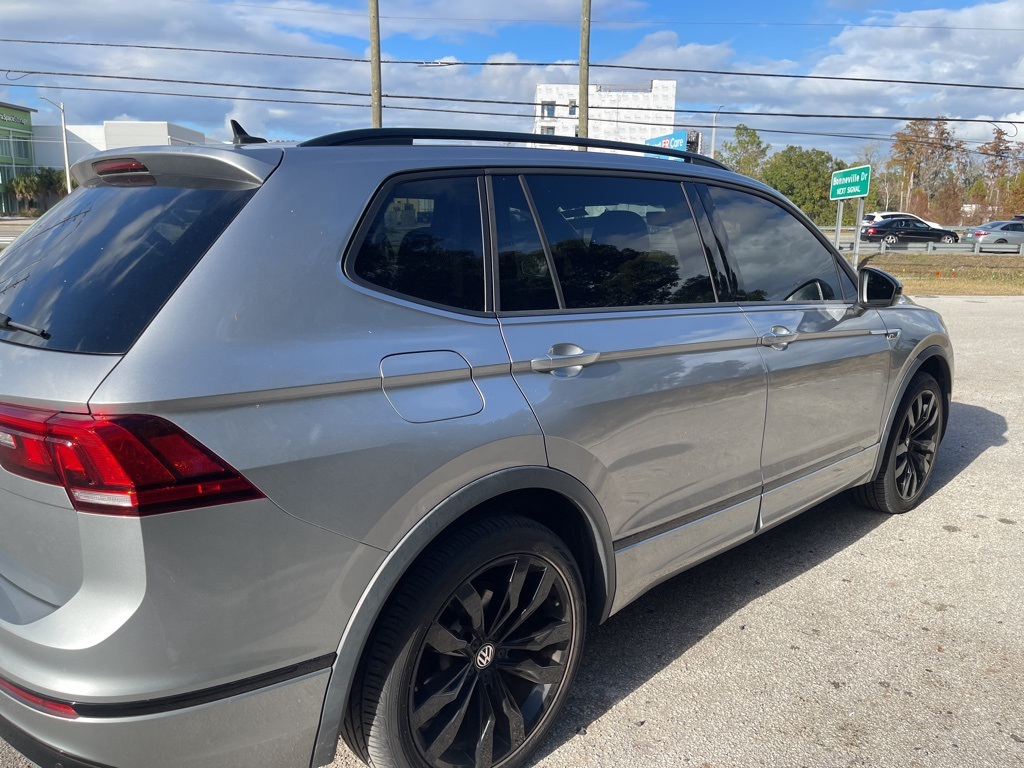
(853, 182)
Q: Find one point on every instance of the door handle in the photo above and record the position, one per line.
(561, 359)
(779, 337)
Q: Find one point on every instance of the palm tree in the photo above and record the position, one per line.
(26, 187)
(51, 183)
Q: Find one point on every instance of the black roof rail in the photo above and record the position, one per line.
(406, 136)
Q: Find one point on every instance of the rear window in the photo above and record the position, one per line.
(94, 271)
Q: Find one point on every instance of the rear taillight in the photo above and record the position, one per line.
(117, 465)
(871, 230)
(980, 233)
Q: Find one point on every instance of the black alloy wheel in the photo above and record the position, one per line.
(475, 654)
(910, 454)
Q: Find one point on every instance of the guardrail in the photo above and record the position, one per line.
(972, 248)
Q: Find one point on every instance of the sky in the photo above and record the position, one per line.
(509, 48)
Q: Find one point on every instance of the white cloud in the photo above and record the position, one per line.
(907, 50)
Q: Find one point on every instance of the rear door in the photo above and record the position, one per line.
(827, 360)
(646, 388)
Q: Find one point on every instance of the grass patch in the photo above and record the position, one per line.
(983, 274)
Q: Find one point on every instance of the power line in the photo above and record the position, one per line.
(182, 49)
(441, 110)
(539, 64)
(503, 102)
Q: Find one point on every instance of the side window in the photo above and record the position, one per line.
(426, 242)
(777, 258)
(524, 277)
(621, 242)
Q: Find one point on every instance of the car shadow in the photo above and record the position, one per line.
(972, 430)
(661, 626)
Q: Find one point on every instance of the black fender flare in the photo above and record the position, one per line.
(449, 512)
(922, 357)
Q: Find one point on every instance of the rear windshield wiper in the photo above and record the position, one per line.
(7, 324)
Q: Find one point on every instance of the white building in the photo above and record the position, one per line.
(113, 134)
(631, 113)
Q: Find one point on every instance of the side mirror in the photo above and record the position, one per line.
(876, 288)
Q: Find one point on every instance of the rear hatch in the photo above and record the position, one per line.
(76, 290)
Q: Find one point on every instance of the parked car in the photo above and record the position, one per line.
(872, 218)
(1019, 217)
(996, 232)
(355, 436)
(892, 231)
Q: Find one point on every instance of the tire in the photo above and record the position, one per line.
(473, 657)
(910, 453)
(947, 239)
(1000, 241)
(891, 239)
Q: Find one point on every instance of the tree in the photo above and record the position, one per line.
(922, 154)
(1002, 164)
(51, 183)
(803, 175)
(26, 187)
(747, 154)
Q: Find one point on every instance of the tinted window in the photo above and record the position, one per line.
(777, 258)
(525, 280)
(621, 242)
(425, 241)
(95, 270)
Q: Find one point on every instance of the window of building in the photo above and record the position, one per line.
(426, 242)
(22, 149)
(572, 108)
(547, 130)
(547, 109)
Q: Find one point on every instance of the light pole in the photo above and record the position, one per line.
(64, 136)
(714, 125)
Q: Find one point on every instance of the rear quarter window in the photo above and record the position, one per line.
(425, 241)
(95, 270)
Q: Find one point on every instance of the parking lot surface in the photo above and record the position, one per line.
(843, 637)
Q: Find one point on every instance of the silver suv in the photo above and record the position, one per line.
(354, 437)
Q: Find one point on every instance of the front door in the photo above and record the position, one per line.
(827, 360)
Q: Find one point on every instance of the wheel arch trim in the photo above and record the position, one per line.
(450, 511)
(923, 358)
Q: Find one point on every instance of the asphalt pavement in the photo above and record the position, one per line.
(843, 637)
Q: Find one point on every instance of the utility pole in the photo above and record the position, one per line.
(584, 98)
(375, 105)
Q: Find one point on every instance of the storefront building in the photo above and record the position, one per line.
(15, 150)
